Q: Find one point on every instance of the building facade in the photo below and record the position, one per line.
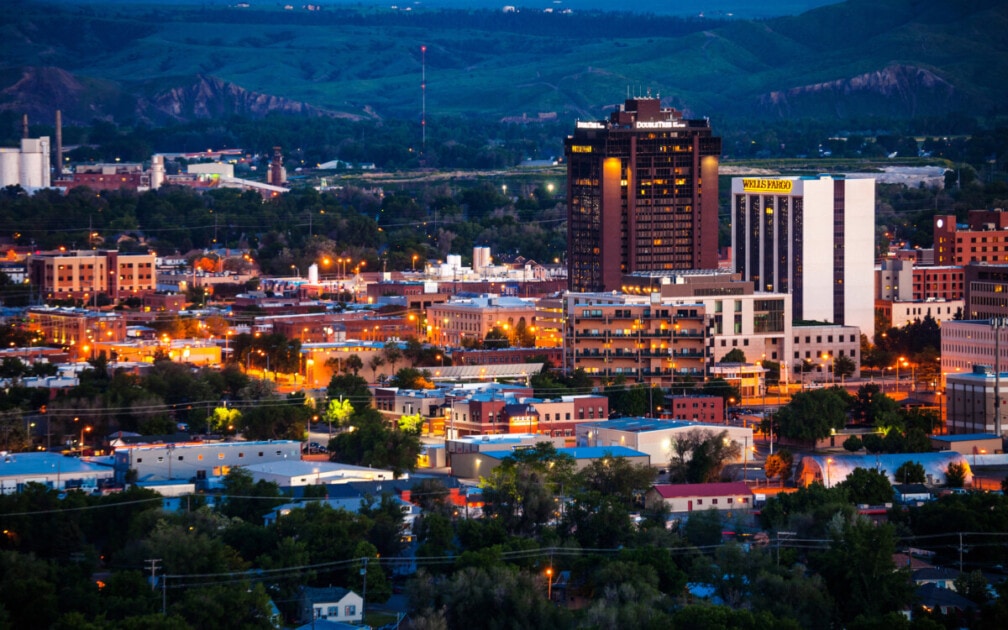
(817, 347)
(87, 273)
(470, 319)
(811, 237)
(972, 342)
(613, 336)
(642, 194)
(986, 287)
(983, 238)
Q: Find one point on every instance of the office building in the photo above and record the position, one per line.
(983, 238)
(642, 194)
(811, 237)
(87, 273)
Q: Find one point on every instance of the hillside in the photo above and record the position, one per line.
(158, 63)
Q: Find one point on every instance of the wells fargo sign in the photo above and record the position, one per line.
(767, 185)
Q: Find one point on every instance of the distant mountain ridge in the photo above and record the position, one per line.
(159, 63)
(907, 90)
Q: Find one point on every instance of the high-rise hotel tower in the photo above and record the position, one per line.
(642, 195)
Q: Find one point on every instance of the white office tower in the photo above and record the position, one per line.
(812, 237)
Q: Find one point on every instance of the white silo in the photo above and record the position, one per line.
(10, 167)
(157, 172)
(35, 162)
(481, 258)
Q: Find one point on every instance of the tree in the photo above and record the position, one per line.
(955, 475)
(973, 586)
(910, 472)
(867, 486)
(339, 411)
(843, 367)
(699, 456)
(735, 355)
(349, 387)
(223, 420)
(392, 353)
(859, 572)
(722, 388)
(853, 444)
(779, 465)
(411, 423)
(812, 415)
(411, 378)
(371, 442)
(523, 492)
(278, 421)
(375, 362)
(617, 477)
(353, 364)
(246, 499)
(703, 528)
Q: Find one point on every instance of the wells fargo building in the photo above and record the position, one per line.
(642, 194)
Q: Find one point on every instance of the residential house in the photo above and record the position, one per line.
(331, 604)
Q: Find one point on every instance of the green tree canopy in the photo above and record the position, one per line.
(812, 415)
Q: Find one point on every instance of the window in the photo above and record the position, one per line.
(699, 501)
(713, 501)
(349, 610)
(332, 611)
(220, 455)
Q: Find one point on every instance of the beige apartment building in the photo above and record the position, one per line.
(617, 335)
(470, 319)
(84, 274)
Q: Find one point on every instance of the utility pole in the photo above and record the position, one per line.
(363, 573)
(997, 324)
(153, 570)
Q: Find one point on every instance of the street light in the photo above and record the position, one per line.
(83, 430)
(829, 464)
(549, 583)
(414, 261)
(832, 367)
(898, 361)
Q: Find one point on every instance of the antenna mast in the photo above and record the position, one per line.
(423, 101)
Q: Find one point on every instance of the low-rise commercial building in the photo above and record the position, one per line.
(198, 460)
(481, 464)
(657, 438)
(683, 498)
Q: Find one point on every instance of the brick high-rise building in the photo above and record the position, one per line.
(642, 195)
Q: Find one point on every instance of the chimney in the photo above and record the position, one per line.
(276, 175)
(59, 144)
(24, 126)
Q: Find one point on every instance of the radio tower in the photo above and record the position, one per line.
(423, 102)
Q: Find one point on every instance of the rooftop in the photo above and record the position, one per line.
(643, 425)
(580, 452)
(682, 490)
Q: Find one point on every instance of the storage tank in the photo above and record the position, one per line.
(481, 258)
(157, 171)
(35, 162)
(10, 167)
